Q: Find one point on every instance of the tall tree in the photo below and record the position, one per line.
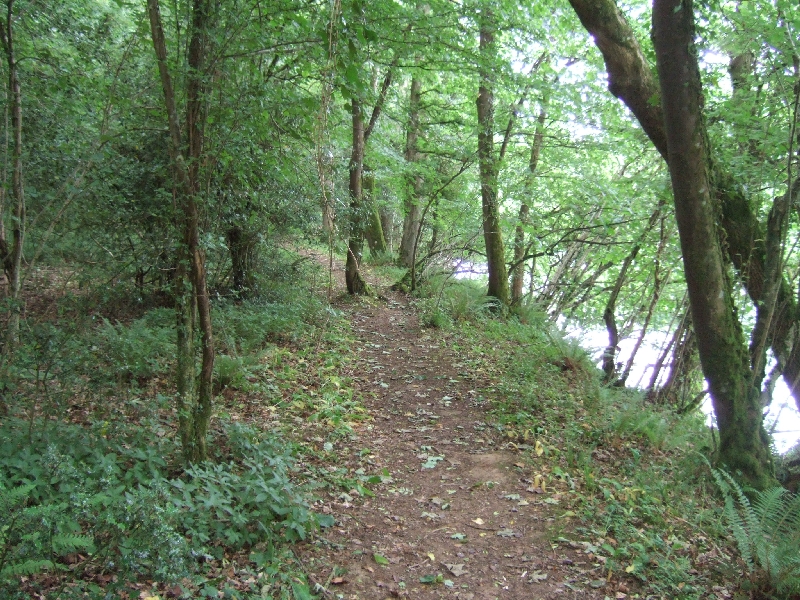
(12, 257)
(413, 189)
(631, 80)
(194, 410)
(744, 444)
(492, 232)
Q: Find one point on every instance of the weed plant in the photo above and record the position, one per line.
(121, 510)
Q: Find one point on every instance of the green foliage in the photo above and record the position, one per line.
(108, 497)
(253, 325)
(143, 349)
(246, 501)
(31, 536)
(447, 301)
(113, 502)
(766, 527)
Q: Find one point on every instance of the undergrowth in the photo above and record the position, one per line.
(633, 489)
(766, 527)
(94, 499)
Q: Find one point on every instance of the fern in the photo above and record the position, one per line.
(26, 567)
(28, 539)
(766, 530)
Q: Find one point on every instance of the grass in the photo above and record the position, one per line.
(633, 476)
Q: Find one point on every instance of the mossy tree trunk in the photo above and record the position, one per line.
(191, 306)
(358, 215)
(631, 80)
(12, 257)
(412, 203)
(355, 242)
(744, 444)
(518, 272)
(492, 233)
(242, 246)
(374, 227)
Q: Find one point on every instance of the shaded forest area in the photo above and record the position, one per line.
(200, 198)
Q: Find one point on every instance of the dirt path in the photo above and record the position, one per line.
(460, 517)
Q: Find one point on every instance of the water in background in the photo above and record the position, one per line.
(781, 418)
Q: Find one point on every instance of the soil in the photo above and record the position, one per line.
(460, 516)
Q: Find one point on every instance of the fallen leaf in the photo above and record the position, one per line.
(380, 559)
(458, 536)
(456, 570)
(537, 576)
(431, 556)
(506, 533)
(630, 568)
(478, 521)
(539, 449)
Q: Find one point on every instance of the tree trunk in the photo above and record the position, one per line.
(518, 273)
(12, 261)
(413, 198)
(374, 228)
(195, 410)
(386, 215)
(355, 242)
(658, 284)
(744, 444)
(631, 80)
(242, 248)
(610, 319)
(492, 234)
(609, 314)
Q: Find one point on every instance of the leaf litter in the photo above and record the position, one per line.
(437, 397)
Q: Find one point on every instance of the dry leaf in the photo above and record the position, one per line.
(456, 570)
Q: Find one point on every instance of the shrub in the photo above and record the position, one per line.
(246, 501)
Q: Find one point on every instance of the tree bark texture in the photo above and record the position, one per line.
(631, 80)
(413, 199)
(355, 242)
(518, 272)
(744, 445)
(374, 227)
(492, 234)
(12, 260)
(195, 410)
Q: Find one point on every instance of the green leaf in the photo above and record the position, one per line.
(301, 591)
(380, 559)
(325, 520)
(352, 75)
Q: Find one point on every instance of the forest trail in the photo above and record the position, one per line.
(460, 516)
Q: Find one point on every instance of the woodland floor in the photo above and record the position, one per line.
(460, 516)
